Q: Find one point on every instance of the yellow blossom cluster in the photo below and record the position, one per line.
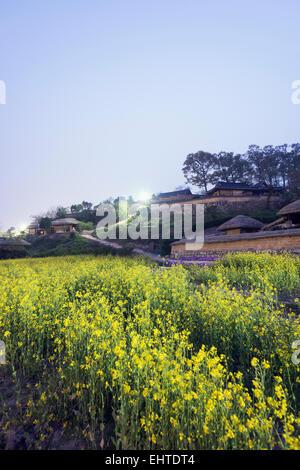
(174, 365)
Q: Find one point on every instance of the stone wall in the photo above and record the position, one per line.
(182, 254)
(273, 244)
(225, 203)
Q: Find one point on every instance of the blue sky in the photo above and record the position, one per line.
(106, 98)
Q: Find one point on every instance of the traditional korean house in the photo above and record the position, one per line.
(277, 240)
(223, 188)
(240, 224)
(291, 214)
(34, 229)
(173, 197)
(67, 224)
(13, 243)
(247, 234)
(13, 248)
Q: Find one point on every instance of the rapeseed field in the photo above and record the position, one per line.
(132, 356)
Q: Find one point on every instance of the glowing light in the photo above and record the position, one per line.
(21, 228)
(144, 196)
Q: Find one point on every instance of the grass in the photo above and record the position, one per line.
(70, 244)
(248, 270)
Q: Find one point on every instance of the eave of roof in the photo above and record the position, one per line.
(65, 221)
(242, 186)
(173, 193)
(292, 208)
(14, 242)
(241, 221)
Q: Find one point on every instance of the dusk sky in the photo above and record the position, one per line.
(107, 97)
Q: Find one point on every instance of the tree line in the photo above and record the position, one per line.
(276, 166)
(83, 212)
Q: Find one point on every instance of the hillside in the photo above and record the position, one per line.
(68, 244)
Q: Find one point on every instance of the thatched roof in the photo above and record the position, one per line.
(241, 221)
(12, 242)
(182, 192)
(65, 221)
(292, 208)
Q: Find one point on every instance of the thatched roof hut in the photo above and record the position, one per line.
(277, 240)
(240, 223)
(13, 243)
(65, 221)
(291, 214)
(292, 208)
(34, 229)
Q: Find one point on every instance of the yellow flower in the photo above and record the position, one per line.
(205, 429)
(265, 364)
(254, 362)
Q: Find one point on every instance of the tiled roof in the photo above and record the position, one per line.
(183, 192)
(243, 186)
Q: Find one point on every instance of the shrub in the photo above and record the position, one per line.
(85, 226)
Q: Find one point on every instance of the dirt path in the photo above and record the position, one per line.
(138, 251)
(101, 242)
(153, 256)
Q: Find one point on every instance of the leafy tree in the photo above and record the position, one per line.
(61, 212)
(11, 230)
(254, 156)
(45, 223)
(275, 166)
(294, 170)
(284, 156)
(271, 165)
(198, 169)
(76, 208)
(86, 205)
(231, 168)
